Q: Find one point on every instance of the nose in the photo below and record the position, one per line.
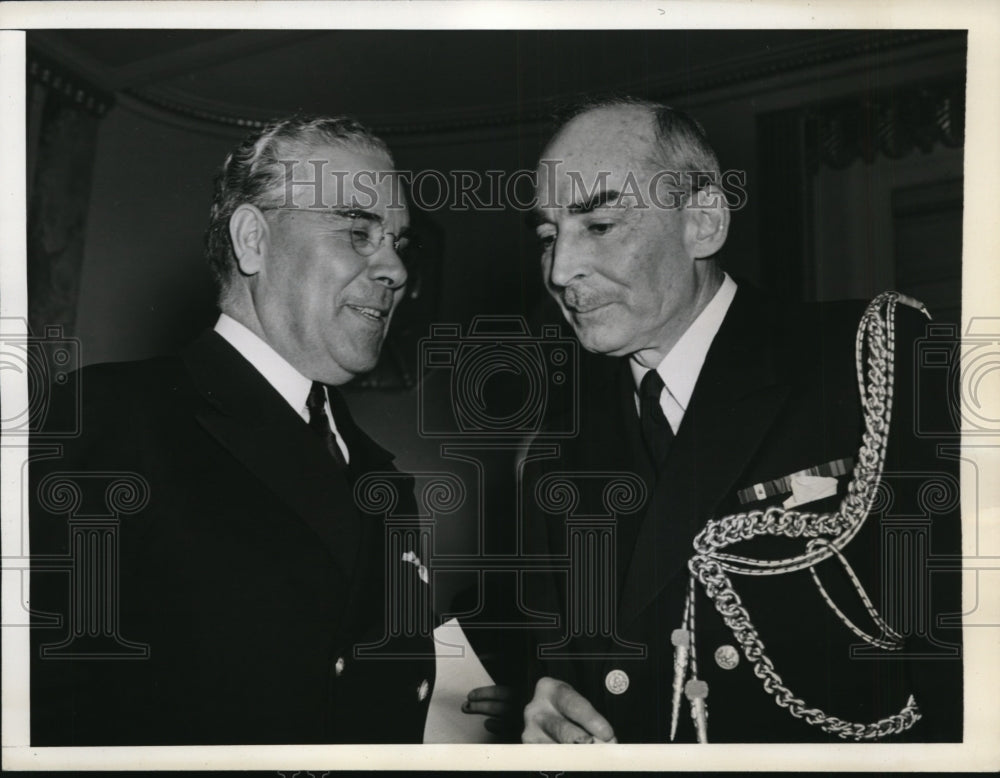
(566, 262)
(386, 267)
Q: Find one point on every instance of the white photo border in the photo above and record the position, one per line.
(981, 290)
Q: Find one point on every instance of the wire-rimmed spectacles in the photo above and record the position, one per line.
(366, 230)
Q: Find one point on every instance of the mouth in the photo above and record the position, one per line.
(374, 315)
(588, 310)
(580, 301)
(581, 307)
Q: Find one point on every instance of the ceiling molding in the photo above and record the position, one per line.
(69, 57)
(134, 81)
(839, 47)
(68, 85)
(236, 45)
(849, 45)
(195, 109)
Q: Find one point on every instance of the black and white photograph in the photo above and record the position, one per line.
(418, 385)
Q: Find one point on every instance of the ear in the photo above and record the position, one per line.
(250, 234)
(707, 222)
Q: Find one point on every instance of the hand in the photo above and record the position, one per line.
(498, 703)
(560, 714)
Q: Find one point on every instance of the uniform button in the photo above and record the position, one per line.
(616, 681)
(727, 657)
(423, 690)
(338, 666)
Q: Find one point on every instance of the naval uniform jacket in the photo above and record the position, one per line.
(250, 574)
(777, 394)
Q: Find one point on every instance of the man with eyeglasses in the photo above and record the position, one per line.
(251, 585)
(722, 592)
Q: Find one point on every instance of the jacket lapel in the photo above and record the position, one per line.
(738, 394)
(248, 417)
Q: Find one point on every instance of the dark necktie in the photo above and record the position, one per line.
(320, 424)
(656, 431)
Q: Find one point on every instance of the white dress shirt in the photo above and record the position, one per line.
(285, 379)
(682, 364)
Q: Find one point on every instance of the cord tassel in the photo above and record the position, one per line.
(697, 693)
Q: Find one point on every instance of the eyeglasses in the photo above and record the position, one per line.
(365, 229)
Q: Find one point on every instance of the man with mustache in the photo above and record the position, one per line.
(252, 576)
(722, 400)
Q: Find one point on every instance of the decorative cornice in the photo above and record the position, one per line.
(45, 71)
(844, 46)
(188, 110)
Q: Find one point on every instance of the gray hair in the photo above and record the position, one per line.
(253, 174)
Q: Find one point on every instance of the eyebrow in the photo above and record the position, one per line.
(595, 202)
(370, 216)
(359, 213)
(535, 217)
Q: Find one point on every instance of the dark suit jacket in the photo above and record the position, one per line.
(250, 575)
(777, 394)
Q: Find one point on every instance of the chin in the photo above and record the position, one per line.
(607, 343)
(362, 364)
(346, 368)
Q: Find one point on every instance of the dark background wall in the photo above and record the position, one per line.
(847, 140)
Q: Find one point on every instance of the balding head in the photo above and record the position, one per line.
(656, 138)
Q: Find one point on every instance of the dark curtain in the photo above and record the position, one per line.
(63, 116)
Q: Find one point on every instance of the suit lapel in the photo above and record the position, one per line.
(738, 394)
(248, 417)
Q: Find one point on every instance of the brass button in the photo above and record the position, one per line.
(616, 681)
(423, 690)
(727, 657)
(338, 666)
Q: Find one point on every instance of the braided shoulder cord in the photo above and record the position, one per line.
(876, 334)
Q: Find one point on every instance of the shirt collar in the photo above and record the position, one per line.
(682, 364)
(286, 380)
